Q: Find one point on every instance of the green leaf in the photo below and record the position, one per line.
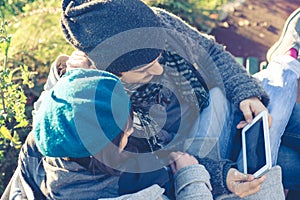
(16, 140)
(23, 123)
(5, 133)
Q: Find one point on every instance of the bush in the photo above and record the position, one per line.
(35, 41)
(13, 120)
(41, 44)
(14, 7)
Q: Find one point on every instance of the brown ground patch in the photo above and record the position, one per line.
(255, 26)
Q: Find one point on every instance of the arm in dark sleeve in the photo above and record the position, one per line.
(212, 60)
(218, 171)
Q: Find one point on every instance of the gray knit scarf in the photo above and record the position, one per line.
(192, 88)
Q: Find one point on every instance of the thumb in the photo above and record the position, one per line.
(242, 177)
(269, 120)
(241, 124)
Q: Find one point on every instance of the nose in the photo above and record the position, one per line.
(156, 69)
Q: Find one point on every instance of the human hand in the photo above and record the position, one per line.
(60, 64)
(249, 107)
(241, 184)
(180, 160)
(79, 59)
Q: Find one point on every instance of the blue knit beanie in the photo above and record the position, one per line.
(84, 111)
(87, 23)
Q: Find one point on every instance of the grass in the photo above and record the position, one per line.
(38, 40)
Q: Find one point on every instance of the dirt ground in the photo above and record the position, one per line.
(254, 26)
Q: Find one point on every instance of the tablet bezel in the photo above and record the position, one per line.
(268, 165)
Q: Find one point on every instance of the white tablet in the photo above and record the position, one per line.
(256, 146)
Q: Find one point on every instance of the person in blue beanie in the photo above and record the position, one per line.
(62, 127)
(83, 120)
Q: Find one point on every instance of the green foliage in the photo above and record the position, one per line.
(12, 104)
(41, 5)
(41, 44)
(198, 13)
(36, 41)
(14, 7)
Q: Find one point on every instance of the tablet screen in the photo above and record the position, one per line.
(255, 147)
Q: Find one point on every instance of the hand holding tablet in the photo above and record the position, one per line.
(256, 146)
